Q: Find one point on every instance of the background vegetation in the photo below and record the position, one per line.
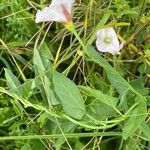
(55, 96)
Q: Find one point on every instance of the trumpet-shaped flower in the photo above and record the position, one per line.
(58, 10)
(107, 41)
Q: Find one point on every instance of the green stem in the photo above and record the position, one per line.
(79, 39)
(57, 54)
(70, 27)
(73, 135)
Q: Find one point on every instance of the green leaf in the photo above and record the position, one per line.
(138, 84)
(100, 111)
(42, 120)
(28, 87)
(146, 130)
(104, 98)
(26, 147)
(69, 95)
(45, 51)
(41, 63)
(18, 108)
(42, 67)
(38, 145)
(37, 61)
(13, 83)
(135, 120)
(48, 91)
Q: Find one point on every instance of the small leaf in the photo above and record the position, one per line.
(69, 95)
(13, 83)
(38, 145)
(104, 98)
(48, 92)
(100, 111)
(42, 120)
(138, 84)
(146, 130)
(135, 120)
(37, 61)
(28, 87)
(45, 51)
(41, 63)
(26, 147)
(18, 108)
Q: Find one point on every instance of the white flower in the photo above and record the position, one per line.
(107, 41)
(58, 10)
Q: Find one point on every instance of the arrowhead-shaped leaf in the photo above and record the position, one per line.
(69, 95)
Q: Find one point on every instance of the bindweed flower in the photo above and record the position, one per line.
(58, 10)
(107, 41)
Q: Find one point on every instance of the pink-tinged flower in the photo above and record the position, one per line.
(107, 41)
(58, 10)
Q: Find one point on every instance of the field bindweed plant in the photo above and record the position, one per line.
(77, 93)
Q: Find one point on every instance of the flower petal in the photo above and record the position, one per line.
(110, 32)
(55, 12)
(113, 47)
(51, 13)
(68, 4)
(56, 2)
(101, 34)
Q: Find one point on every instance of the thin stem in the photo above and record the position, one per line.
(70, 26)
(58, 53)
(73, 135)
(79, 39)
